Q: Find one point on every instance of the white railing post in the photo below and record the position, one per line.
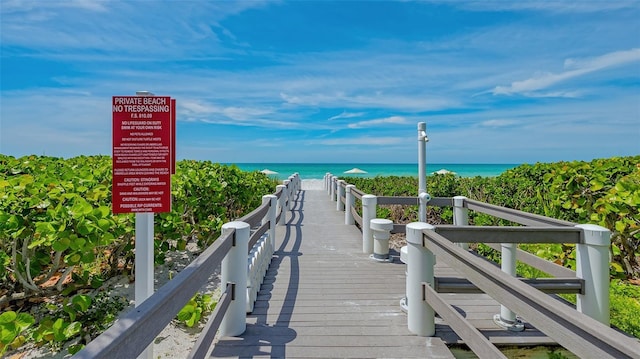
(460, 216)
(350, 200)
(327, 183)
(287, 194)
(339, 195)
(290, 194)
(271, 218)
(423, 199)
(420, 263)
(381, 229)
(331, 188)
(369, 206)
(592, 265)
(298, 183)
(507, 318)
(282, 204)
(234, 270)
(334, 189)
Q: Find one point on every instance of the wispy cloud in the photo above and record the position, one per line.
(345, 114)
(243, 82)
(397, 120)
(574, 68)
(496, 123)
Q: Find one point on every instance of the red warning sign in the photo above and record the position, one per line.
(142, 154)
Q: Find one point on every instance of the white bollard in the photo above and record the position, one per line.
(339, 195)
(420, 262)
(234, 270)
(381, 233)
(507, 318)
(282, 204)
(460, 216)
(369, 204)
(592, 265)
(350, 201)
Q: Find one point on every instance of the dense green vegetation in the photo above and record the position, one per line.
(58, 238)
(603, 191)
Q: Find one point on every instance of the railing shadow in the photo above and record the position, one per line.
(262, 338)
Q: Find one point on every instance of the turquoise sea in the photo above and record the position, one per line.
(318, 170)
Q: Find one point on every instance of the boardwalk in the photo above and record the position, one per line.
(322, 297)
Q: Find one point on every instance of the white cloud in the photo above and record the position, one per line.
(497, 123)
(345, 114)
(398, 120)
(576, 68)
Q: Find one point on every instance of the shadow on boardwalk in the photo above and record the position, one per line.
(261, 338)
(324, 298)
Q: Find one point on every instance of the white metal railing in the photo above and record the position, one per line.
(243, 258)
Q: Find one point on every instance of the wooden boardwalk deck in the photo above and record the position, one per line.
(323, 298)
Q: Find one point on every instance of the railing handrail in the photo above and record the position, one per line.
(581, 334)
(132, 333)
(589, 282)
(254, 217)
(516, 216)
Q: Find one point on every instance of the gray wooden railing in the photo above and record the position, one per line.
(251, 235)
(585, 331)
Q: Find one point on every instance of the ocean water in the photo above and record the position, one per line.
(318, 170)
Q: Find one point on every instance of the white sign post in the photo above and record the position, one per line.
(144, 265)
(144, 258)
(143, 161)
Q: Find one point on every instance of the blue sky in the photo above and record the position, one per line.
(325, 81)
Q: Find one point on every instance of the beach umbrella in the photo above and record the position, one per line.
(269, 172)
(355, 170)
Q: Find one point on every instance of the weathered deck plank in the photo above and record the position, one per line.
(322, 297)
